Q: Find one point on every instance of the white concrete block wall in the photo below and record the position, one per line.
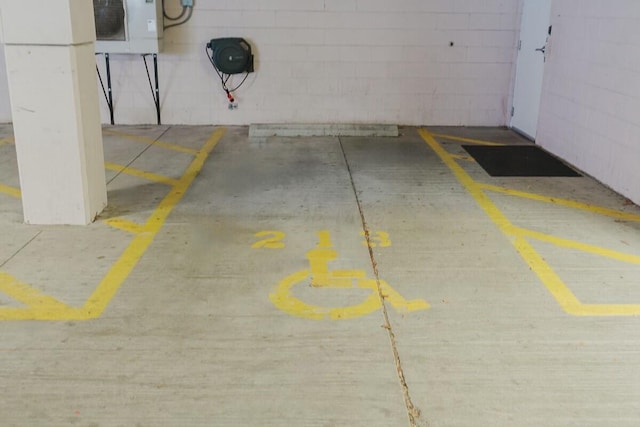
(5, 104)
(382, 61)
(590, 111)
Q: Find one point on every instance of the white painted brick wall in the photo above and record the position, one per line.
(590, 112)
(384, 61)
(5, 105)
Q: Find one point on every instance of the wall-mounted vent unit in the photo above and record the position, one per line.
(128, 26)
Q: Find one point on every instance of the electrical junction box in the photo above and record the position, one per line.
(128, 26)
(231, 55)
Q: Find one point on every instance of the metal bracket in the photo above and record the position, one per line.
(108, 92)
(155, 90)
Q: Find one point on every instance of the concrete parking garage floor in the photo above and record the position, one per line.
(352, 281)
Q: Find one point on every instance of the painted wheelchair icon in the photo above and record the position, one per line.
(320, 276)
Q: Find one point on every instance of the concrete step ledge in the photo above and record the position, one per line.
(293, 130)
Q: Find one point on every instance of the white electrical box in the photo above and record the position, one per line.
(128, 26)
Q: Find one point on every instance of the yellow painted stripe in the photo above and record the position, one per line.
(549, 278)
(175, 147)
(463, 157)
(150, 176)
(562, 202)
(469, 184)
(606, 310)
(34, 299)
(11, 191)
(572, 244)
(42, 307)
(125, 225)
(151, 141)
(467, 140)
(545, 273)
(110, 284)
(43, 313)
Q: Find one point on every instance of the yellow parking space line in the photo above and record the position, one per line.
(562, 202)
(42, 307)
(561, 292)
(124, 225)
(151, 141)
(175, 147)
(11, 191)
(32, 298)
(118, 273)
(554, 284)
(42, 313)
(463, 157)
(572, 244)
(465, 179)
(605, 310)
(467, 140)
(150, 176)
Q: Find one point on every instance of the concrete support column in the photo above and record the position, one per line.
(49, 49)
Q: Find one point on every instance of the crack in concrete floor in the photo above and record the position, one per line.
(413, 412)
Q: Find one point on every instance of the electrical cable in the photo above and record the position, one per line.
(241, 83)
(177, 18)
(170, 18)
(224, 79)
(189, 15)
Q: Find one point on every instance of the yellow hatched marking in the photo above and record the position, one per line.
(32, 298)
(554, 284)
(6, 141)
(561, 292)
(572, 244)
(562, 202)
(467, 140)
(151, 141)
(463, 157)
(11, 191)
(125, 225)
(48, 308)
(149, 176)
(110, 284)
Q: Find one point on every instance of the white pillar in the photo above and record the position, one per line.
(49, 49)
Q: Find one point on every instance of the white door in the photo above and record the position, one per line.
(534, 33)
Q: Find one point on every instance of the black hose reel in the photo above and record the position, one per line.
(231, 55)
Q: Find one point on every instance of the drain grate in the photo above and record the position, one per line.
(519, 160)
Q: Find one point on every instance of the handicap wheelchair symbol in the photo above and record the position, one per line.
(319, 275)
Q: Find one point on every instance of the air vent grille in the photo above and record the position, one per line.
(110, 20)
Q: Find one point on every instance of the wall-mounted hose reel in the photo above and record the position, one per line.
(229, 56)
